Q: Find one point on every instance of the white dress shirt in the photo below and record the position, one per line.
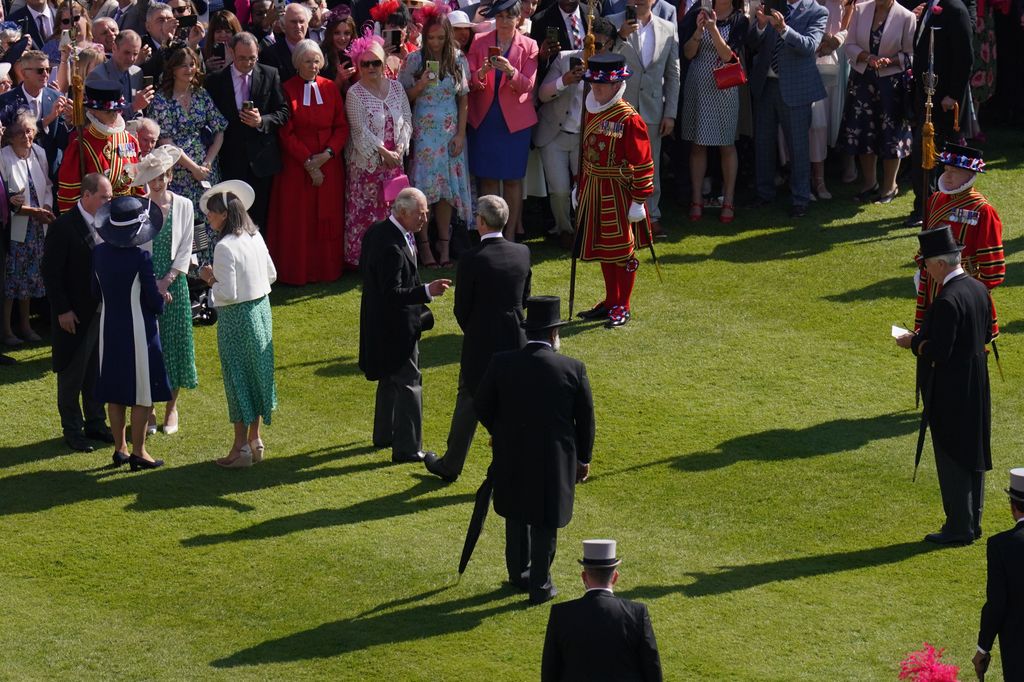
(645, 36)
(35, 104)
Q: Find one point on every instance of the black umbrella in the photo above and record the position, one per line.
(476, 522)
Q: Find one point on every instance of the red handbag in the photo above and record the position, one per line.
(730, 75)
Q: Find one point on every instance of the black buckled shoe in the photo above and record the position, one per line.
(598, 312)
(618, 317)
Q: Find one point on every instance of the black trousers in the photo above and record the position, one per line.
(398, 414)
(529, 553)
(461, 432)
(963, 495)
(261, 205)
(78, 381)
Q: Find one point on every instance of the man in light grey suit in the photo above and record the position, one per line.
(784, 81)
(557, 133)
(650, 46)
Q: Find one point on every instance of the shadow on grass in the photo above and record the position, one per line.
(386, 507)
(735, 578)
(201, 484)
(366, 631)
(25, 370)
(831, 437)
(285, 294)
(36, 452)
(894, 287)
(1015, 327)
(436, 350)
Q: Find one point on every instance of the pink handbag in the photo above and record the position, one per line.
(394, 186)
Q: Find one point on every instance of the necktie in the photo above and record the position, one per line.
(34, 107)
(412, 243)
(243, 93)
(118, 16)
(577, 41)
(43, 31)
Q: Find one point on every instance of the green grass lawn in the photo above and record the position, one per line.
(755, 439)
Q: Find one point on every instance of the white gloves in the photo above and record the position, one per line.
(917, 280)
(636, 212)
(574, 199)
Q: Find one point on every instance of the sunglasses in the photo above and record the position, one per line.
(598, 46)
(375, 64)
(37, 70)
(180, 10)
(67, 22)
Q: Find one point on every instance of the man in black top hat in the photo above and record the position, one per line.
(540, 413)
(1003, 613)
(953, 365)
(600, 636)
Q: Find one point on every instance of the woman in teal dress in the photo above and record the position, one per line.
(189, 120)
(240, 276)
(172, 251)
(439, 166)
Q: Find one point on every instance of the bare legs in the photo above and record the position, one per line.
(140, 417)
(730, 168)
(890, 167)
(869, 173)
(698, 169)
(23, 313)
(243, 449)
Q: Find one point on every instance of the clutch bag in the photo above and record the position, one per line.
(730, 75)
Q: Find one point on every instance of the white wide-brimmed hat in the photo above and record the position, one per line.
(241, 189)
(155, 164)
(459, 19)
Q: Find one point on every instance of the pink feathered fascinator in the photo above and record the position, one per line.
(925, 666)
(360, 45)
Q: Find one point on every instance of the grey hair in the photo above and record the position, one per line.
(493, 210)
(950, 259)
(306, 12)
(157, 7)
(100, 21)
(408, 201)
(304, 47)
(12, 34)
(243, 38)
(23, 120)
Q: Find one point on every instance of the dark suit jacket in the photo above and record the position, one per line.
(30, 23)
(392, 304)
(540, 413)
(953, 59)
(600, 637)
(250, 150)
(492, 285)
(951, 346)
(67, 273)
(552, 16)
(1003, 613)
(278, 55)
(53, 137)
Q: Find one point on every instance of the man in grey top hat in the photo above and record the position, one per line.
(600, 636)
(953, 375)
(1003, 613)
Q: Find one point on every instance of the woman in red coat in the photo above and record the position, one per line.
(307, 218)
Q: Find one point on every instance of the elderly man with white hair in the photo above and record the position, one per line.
(279, 53)
(392, 315)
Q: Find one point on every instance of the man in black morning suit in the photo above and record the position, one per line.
(539, 410)
(392, 314)
(250, 151)
(600, 636)
(492, 285)
(955, 386)
(67, 273)
(1003, 613)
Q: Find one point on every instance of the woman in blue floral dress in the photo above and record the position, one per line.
(439, 166)
(189, 120)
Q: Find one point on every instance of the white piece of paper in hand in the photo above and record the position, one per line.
(897, 332)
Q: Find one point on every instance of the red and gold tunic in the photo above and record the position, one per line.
(976, 227)
(616, 170)
(111, 156)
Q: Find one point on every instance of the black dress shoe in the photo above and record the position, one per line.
(519, 584)
(7, 360)
(433, 464)
(944, 538)
(913, 220)
(78, 443)
(541, 597)
(977, 533)
(797, 211)
(411, 457)
(598, 312)
(870, 194)
(137, 463)
(380, 445)
(120, 458)
(102, 435)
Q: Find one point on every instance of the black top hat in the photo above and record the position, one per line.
(543, 312)
(128, 221)
(607, 68)
(937, 242)
(497, 6)
(17, 49)
(967, 158)
(104, 95)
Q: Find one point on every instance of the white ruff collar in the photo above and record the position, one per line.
(956, 190)
(116, 127)
(595, 108)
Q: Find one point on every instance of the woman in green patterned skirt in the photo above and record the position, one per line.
(172, 250)
(241, 276)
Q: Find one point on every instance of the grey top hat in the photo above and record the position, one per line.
(1016, 489)
(599, 554)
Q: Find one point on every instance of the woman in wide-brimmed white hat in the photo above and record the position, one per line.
(172, 251)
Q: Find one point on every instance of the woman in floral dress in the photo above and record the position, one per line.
(439, 165)
(380, 123)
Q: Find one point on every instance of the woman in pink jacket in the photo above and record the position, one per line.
(503, 67)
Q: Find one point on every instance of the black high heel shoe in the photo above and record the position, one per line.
(137, 463)
(120, 458)
(867, 195)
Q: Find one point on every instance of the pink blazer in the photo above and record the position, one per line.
(516, 94)
(897, 37)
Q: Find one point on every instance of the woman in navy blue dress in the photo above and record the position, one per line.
(132, 370)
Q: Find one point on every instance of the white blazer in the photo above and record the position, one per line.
(243, 269)
(897, 37)
(182, 228)
(15, 172)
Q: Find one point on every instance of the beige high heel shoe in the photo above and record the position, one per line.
(243, 460)
(256, 448)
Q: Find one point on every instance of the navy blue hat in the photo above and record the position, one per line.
(967, 158)
(103, 95)
(607, 68)
(17, 49)
(497, 6)
(128, 221)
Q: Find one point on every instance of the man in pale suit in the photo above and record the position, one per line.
(557, 133)
(650, 46)
(784, 81)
